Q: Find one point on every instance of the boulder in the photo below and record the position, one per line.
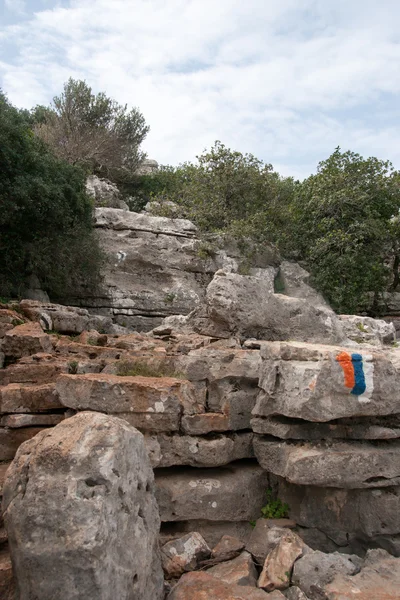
(334, 464)
(244, 306)
(26, 339)
(104, 193)
(184, 554)
(238, 571)
(202, 586)
(96, 509)
(64, 319)
(232, 493)
(315, 570)
(296, 282)
(365, 330)
(318, 383)
(279, 562)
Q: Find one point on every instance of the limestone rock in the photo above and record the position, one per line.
(184, 554)
(171, 450)
(295, 593)
(210, 530)
(337, 464)
(232, 493)
(11, 439)
(279, 562)
(20, 398)
(25, 340)
(149, 403)
(315, 570)
(64, 319)
(104, 193)
(365, 330)
(201, 586)
(96, 508)
(7, 582)
(244, 306)
(238, 571)
(227, 546)
(18, 421)
(352, 518)
(296, 283)
(315, 382)
(265, 536)
(379, 578)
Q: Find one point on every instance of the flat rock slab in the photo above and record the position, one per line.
(167, 450)
(20, 398)
(265, 536)
(78, 502)
(215, 364)
(365, 514)
(25, 340)
(279, 562)
(184, 554)
(286, 429)
(339, 464)
(203, 586)
(18, 421)
(163, 398)
(232, 493)
(321, 383)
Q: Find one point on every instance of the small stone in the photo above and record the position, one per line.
(226, 546)
(239, 571)
(279, 562)
(183, 554)
(265, 537)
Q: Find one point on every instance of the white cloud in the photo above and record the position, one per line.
(287, 81)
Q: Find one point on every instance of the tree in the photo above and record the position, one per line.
(230, 191)
(46, 224)
(344, 226)
(93, 131)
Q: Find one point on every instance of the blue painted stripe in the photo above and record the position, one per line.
(360, 386)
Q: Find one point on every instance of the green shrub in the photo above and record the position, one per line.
(46, 226)
(274, 508)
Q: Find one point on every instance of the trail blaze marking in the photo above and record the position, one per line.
(358, 374)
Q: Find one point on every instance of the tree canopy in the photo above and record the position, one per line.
(46, 224)
(93, 131)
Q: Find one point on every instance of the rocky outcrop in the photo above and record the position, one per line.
(96, 510)
(104, 193)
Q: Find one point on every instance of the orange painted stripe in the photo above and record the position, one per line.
(344, 360)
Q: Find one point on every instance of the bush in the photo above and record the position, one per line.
(93, 131)
(45, 215)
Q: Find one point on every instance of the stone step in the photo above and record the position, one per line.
(24, 398)
(233, 493)
(149, 403)
(40, 369)
(334, 464)
(166, 450)
(26, 339)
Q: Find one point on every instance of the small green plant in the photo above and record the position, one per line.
(361, 327)
(206, 250)
(54, 332)
(274, 508)
(244, 268)
(16, 322)
(128, 368)
(73, 367)
(395, 344)
(169, 298)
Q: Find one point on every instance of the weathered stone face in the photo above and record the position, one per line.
(26, 339)
(78, 502)
(317, 383)
(245, 306)
(279, 562)
(238, 571)
(337, 464)
(150, 403)
(184, 554)
(200, 585)
(232, 493)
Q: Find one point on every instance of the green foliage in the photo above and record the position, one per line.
(140, 368)
(73, 367)
(46, 225)
(342, 225)
(93, 131)
(274, 508)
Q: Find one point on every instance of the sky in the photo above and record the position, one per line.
(286, 80)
